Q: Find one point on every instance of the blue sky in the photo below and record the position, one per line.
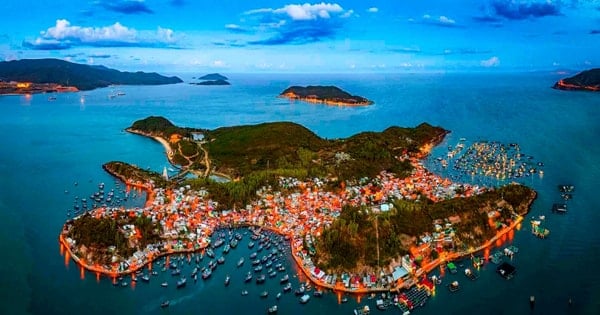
(292, 36)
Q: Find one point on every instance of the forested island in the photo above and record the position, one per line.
(330, 95)
(212, 79)
(588, 80)
(78, 76)
(355, 204)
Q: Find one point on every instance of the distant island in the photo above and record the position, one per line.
(213, 76)
(26, 73)
(588, 80)
(330, 95)
(212, 79)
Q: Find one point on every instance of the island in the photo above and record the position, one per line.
(330, 95)
(588, 80)
(212, 79)
(362, 213)
(54, 75)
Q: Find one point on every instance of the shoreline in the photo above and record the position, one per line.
(163, 142)
(327, 102)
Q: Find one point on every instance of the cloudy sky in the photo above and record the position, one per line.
(288, 36)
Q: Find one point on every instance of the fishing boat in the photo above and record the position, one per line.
(164, 284)
(221, 260)
(145, 278)
(304, 299)
(258, 268)
(240, 262)
(272, 274)
(287, 287)
(248, 277)
(284, 279)
(272, 310)
(226, 249)
(453, 287)
(344, 299)
(278, 296)
(181, 283)
(227, 280)
(471, 275)
(318, 293)
(260, 279)
(365, 310)
(251, 244)
(165, 304)
(244, 292)
(264, 294)
(206, 274)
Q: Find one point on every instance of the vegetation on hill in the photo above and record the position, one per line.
(84, 77)
(131, 172)
(331, 94)
(212, 82)
(213, 76)
(98, 234)
(588, 80)
(351, 240)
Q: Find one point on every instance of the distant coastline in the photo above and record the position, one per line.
(588, 80)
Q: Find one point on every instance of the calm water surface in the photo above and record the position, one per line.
(48, 146)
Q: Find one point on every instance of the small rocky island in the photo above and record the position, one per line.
(212, 79)
(27, 76)
(330, 95)
(588, 80)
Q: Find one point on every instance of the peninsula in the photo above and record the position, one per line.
(330, 95)
(588, 80)
(56, 74)
(360, 205)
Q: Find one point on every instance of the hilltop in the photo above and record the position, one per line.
(588, 80)
(80, 76)
(213, 76)
(331, 95)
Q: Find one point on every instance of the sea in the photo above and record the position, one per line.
(53, 150)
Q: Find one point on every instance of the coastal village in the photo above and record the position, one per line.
(189, 219)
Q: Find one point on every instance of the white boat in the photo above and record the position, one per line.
(304, 299)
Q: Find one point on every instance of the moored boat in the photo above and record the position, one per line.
(181, 283)
(304, 299)
(165, 304)
(240, 262)
(227, 280)
(272, 309)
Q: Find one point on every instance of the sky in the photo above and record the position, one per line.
(309, 37)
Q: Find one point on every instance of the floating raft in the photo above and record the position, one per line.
(538, 230)
(496, 257)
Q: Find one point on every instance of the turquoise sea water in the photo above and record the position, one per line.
(49, 145)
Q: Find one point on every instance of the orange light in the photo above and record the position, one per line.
(67, 259)
(81, 273)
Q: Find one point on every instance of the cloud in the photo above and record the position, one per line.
(295, 23)
(125, 6)
(441, 20)
(406, 50)
(63, 35)
(492, 62)
(235, 28)
(373, 10)
(520, 10)
(219, 64)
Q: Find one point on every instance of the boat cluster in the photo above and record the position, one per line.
(115, 197)
(490, 159)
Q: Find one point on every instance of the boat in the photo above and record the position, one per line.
(233, 243)
(272, 310)
(175, 272)
(253, 255)
(244, 292)
(285, 279)
(344, 299)
(300, 290)
(272, 274)
(264, 294)
(383, 304)
(221, 260)
(206, 274)
(248, 277)
(318, 293)
(164, 284)
(471, 275)
(145, 278)
(181, 283)
(210, 253)
(226, 249)
(240, 262)
(287, 287)
(365, 310)
(258, 269)
(251, 244)
(218, 243)
(227, 280)
(453, 287)
(261, 279)
(278, 296)
(165, 304)
(304, 299)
